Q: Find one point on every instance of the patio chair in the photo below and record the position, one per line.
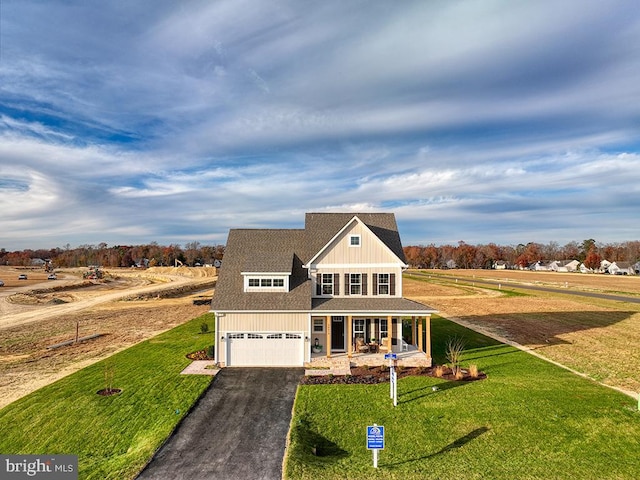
(385, 345)
(361, 346)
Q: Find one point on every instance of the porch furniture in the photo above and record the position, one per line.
(373, 347)
(361, 346)
(385, 345)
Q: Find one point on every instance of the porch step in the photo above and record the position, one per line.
(340, 366)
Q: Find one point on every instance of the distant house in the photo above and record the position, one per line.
(499, 265)
(336, 283)
(564, 266)
(539, 266)
(37, 262)
(621, 268)
(584, 269)
(604, 266)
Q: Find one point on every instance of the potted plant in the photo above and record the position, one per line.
(317, 348)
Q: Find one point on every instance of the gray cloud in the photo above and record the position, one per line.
(171, 122)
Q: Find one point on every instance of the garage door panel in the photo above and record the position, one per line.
(279, 349)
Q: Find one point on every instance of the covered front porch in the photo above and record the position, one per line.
(366, 338)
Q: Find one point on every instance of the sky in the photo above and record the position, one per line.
(173, 121)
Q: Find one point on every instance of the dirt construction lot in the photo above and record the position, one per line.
(599, 338)
(125, 307)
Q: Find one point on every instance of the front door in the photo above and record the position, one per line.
(337, 333)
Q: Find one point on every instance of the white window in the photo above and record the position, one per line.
(318, 325)
(267, 283)
(236, 335)
(254, 336)
(384, 328)
(355, 284)
(292, 336)
(327, 283)
(274, 336)
(358, 328)
(354, 240)
(383, 284)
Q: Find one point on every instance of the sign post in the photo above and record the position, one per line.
(393, 377)
(375, 441)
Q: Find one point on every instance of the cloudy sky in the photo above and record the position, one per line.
(172, 121)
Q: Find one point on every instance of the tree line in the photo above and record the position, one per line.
(150, 255)
(464, 255)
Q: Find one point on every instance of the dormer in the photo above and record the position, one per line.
(269, 274)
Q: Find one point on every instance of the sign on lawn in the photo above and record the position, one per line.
(390, 356)
(375, 437)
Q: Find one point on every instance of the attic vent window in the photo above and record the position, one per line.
(354, 240)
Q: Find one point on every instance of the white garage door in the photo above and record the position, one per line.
(269, 349)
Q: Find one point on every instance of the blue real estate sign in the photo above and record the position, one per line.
(375, 437)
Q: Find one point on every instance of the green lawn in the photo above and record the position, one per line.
(113, 436)
(528, 419)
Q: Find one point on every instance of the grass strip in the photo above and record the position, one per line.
(528, 420)
(113, 436)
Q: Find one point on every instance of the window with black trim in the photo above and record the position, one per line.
(355, 284)
(383, 284)
(354, 240)
(327, 284)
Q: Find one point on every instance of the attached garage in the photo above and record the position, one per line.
(265, 349)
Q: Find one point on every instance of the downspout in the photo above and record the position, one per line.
(216, 348)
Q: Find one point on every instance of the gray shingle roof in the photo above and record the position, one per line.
(244, 251)
(369, 304)
(280, 250)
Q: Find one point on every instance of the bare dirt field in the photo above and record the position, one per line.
(599, 338)
(585, 282)
(125, 308)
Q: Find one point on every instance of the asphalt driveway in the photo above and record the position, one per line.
(237, 430)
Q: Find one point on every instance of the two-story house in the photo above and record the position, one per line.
(334, 284)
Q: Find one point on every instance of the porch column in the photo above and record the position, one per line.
(420, 346)
(413, 331)
(390, 334)
(428, 328)
(349, 337)
(328, 320)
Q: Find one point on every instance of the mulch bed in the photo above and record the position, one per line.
(373, 375)
(107, 392)
(199, 355)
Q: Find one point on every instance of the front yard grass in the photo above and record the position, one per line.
(113, 436)
(528, 420)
